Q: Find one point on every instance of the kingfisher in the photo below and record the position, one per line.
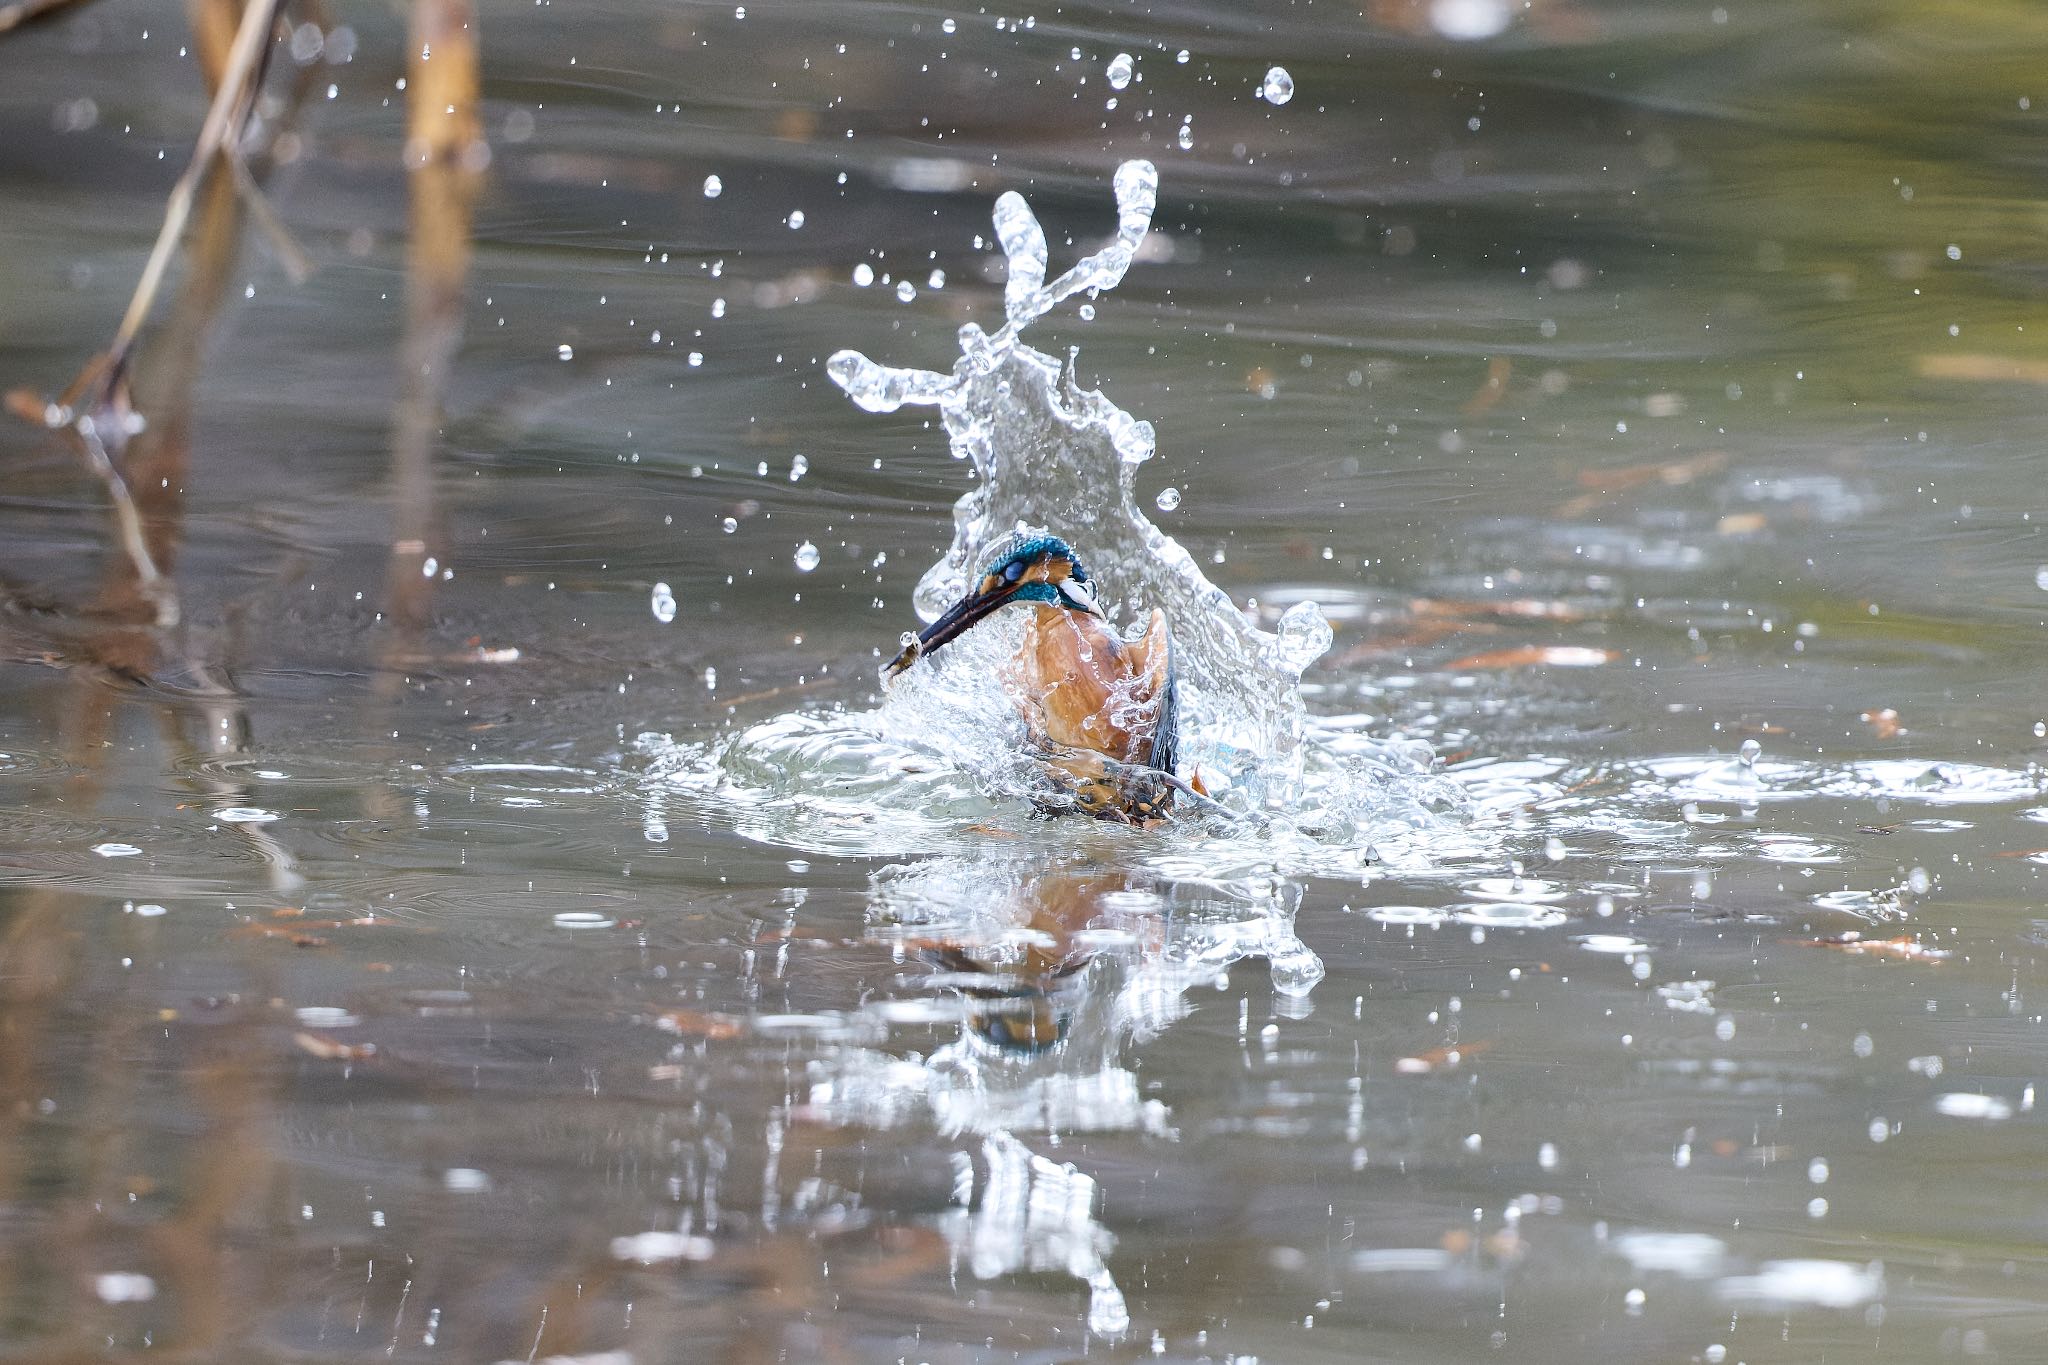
(1101, 711)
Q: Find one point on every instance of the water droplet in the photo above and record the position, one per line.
(1168, 499)
(1302, 637)
(1119, 71)
(863, 274)
(936, 280)
(567, 352)
(806, 557)
(905, 290)
(798, 467)
(664, 604)
(1087, 312)
(795, 219)
(2041, 729)
(1181, 56)
(730, 525)
(713, 187)
(948, 25)
(2041, 578)
(1185, 138)
(1278, 87)
(1750, 752)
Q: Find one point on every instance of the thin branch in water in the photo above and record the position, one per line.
(29, 12)
(297, 266)
(128, 522)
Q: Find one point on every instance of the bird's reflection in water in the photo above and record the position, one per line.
(1052, 968)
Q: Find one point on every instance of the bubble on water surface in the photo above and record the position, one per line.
(1168, 499)
(661, 1248)
(1617, 944)
(1823, 1284)
(565, 352)
(713, 187)
(1508, 915)
(663, 603)
(325, 1016)
(806, 557)
(1429, 915)
(1278, 86)
(1962, 1104)
(123, 1287)
(116, 850)
(1119, 71)
(247, 815)
(584, 919)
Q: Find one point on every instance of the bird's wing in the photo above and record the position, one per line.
(1152, 659)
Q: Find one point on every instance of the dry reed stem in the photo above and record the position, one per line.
(225, 117)
(445, 153)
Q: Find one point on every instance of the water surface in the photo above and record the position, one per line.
(1649, 396)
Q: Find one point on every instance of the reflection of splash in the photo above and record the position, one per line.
(1035, 1215)
(1054, 455)
(1060, 969)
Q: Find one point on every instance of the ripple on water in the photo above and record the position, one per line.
(1428, 916)
(1508, 915)
(1530, 890)
(1618, 944)
(1921, 781)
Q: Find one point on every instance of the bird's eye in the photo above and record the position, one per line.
(1013, 571)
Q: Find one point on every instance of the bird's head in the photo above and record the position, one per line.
(1024, 568)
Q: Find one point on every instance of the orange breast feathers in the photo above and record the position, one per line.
(1082, 687)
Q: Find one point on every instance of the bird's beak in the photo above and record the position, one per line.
(955, 622)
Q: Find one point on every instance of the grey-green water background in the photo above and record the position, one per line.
(1628, 381)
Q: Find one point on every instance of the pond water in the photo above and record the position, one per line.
(502, 917)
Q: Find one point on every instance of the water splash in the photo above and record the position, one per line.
(1053, 455)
